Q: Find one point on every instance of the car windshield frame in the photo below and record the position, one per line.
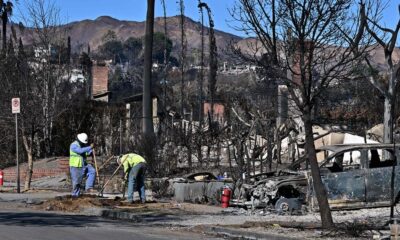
(343, 148)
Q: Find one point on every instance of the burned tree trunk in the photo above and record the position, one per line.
(183, 55)
(28, 146)
(201, 75)
(389, 102)
(320, 192)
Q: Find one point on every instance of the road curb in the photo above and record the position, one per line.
(120, 214)
(163, 219)
(238, 234)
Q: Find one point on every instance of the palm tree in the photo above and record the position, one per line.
(148, 129)
(6, 11)
(213, 61)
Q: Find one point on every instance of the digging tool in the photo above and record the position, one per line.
(104, 186)
(123, 189)
(105, 162)
(97, 170)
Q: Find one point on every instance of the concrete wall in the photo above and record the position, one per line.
(199, 191)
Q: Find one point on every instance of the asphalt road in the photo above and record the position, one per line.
(50, 226)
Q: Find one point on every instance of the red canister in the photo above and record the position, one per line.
(1, 177)
(226, 197)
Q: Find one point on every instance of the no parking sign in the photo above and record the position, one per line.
(15, 108)
(15, 105)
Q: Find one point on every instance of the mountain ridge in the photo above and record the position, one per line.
(90, 32)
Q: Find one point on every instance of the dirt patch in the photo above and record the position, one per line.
(69, 204)
(74, 205)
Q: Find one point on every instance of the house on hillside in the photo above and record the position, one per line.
(218, 113)
(76, 75)
(44, 53)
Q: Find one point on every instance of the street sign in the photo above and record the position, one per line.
(15, 105)
(15, 108)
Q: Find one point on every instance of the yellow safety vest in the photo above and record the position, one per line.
(75, 159)
(130, 160)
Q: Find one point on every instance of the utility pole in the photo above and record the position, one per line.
(147, 128)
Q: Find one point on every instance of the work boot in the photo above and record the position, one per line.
(92, 191)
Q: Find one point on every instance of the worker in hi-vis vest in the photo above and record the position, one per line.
(78, 165)
(134, 170)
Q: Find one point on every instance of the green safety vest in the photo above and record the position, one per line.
(75, 160)
(131, 160)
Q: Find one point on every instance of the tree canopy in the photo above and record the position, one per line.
(131, 49)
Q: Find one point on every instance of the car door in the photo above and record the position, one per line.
(345, 184)
(378, 176)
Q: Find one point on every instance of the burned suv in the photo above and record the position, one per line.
(355, 176)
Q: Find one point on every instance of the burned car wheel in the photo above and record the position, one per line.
(287, 205)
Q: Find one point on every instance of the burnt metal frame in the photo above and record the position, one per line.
(363, 148)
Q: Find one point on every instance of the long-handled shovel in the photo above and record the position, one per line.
(97, 170)
(104, 186)
(123, 189)
(105, 162)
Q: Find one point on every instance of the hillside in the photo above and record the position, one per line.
(91, 31)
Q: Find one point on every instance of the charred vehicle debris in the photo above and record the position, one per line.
(355, 176)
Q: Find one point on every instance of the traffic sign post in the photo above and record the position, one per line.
(15, 108)
(15, 105)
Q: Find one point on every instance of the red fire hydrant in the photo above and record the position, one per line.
(1, 177)
(226, 197)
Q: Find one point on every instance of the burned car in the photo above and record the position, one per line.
(355, 176)
(285, 190)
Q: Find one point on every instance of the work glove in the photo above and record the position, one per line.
(126, 176)
(92, 145)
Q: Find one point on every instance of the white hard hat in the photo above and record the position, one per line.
(121, 159)
(82, 137)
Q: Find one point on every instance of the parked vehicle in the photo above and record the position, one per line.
(355, 176)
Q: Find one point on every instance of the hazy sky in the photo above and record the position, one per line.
(73, 10)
